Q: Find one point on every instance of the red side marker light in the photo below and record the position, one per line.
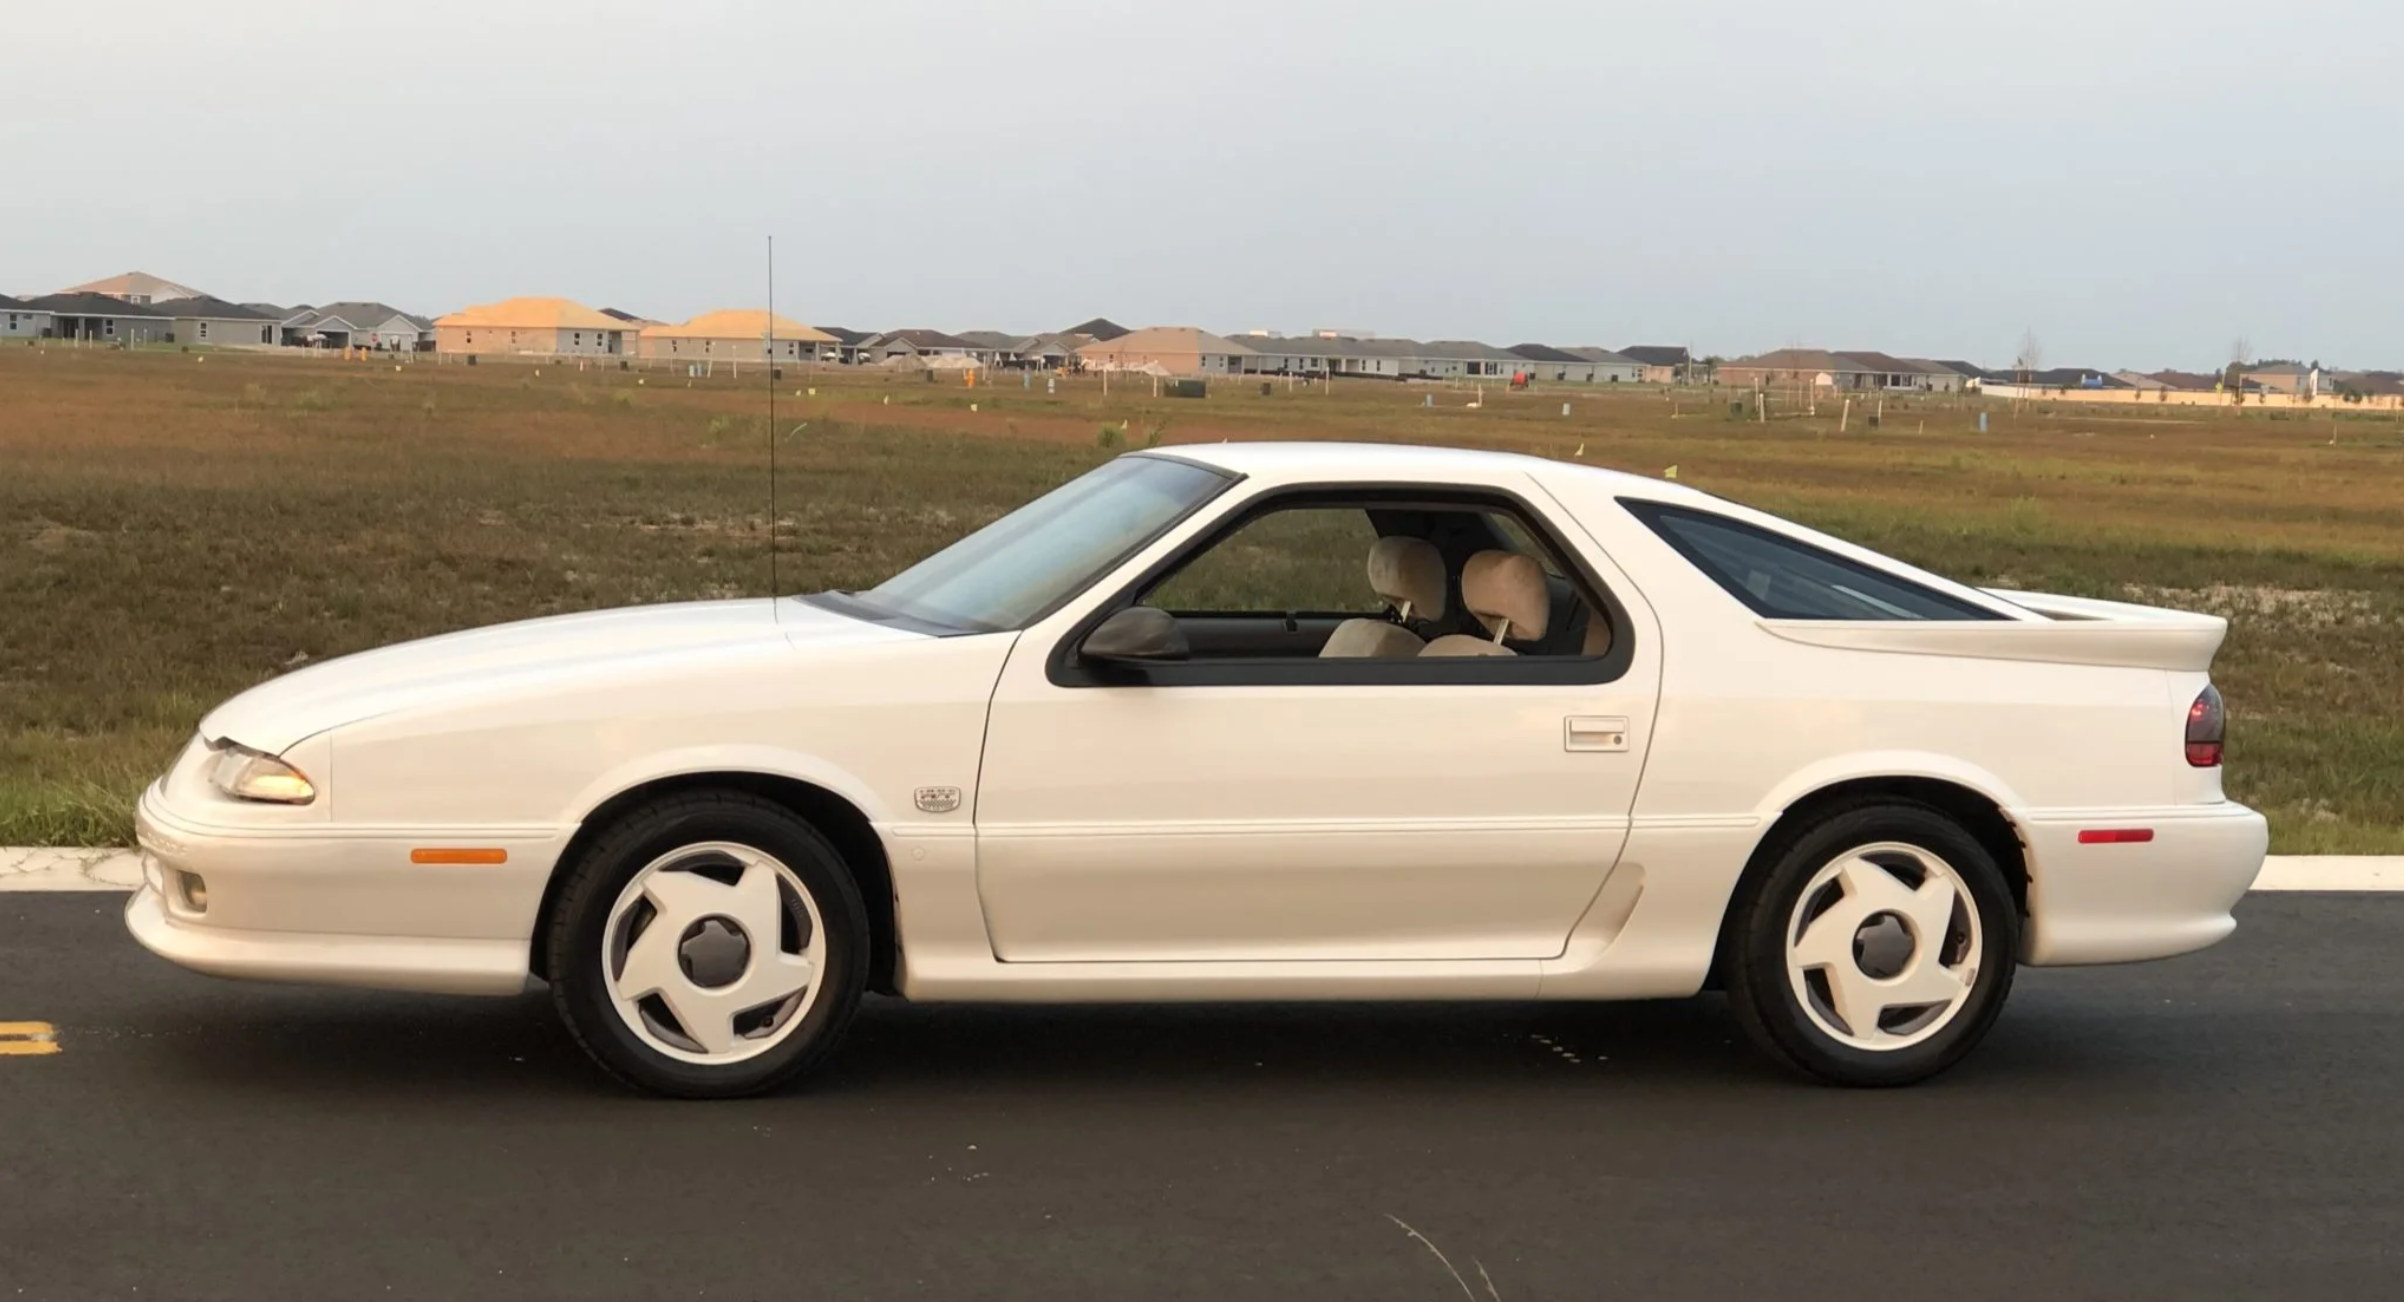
(2115, 835)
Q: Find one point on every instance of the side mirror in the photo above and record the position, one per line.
(1138, 634)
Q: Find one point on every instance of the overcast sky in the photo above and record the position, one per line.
(2138, 181)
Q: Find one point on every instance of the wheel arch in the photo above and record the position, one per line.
(1979, 813)
(835, 816)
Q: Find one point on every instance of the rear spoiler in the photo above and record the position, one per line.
(2075, 631)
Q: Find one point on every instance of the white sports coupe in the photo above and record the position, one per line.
(1239, 722)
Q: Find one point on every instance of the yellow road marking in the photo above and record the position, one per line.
(27, 1039)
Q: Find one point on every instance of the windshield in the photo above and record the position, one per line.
(1010, 572)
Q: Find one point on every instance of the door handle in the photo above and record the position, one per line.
(1594, 732)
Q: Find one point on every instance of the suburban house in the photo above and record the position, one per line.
(993, 347)
(209, 320)
(136, 287)
(1907, 372)
(1101, 330)
(1048, 352)
(103, 318)
(905, 347)
(22, 320)
(1822, 369)
(2140, 380)
(1166, 350)
(1610, 367)
(1662, 363)
(1329, 354)
(1558, 365)
(1465, 359)
(847, 342)
(1967, 371)
(2287, 377)
(2357, 385)
(737, 335)
(358, 325)
(537, 327)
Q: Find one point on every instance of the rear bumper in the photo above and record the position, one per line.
(337, 907)
(2121, 902)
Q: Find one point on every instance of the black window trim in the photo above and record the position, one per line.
(1652, 512)
(851, 605)
(1062, 668)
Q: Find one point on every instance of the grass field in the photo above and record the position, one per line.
(175, 527)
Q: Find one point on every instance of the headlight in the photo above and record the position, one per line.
(245, 774)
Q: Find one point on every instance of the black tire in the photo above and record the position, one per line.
(577, 939)
(1763, 995)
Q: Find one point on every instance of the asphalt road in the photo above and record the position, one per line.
(2227, 1125)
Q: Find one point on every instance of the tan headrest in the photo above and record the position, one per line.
(1500, 586)
(1410, 573)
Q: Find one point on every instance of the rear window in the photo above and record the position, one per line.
(1782, 578)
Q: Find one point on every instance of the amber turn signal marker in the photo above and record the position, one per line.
(458, 856)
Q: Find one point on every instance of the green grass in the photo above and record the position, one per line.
(171, 533)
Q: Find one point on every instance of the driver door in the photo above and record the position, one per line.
(1258, 802)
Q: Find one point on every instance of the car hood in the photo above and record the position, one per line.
(526, 656)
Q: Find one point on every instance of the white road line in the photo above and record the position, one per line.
(39, 869)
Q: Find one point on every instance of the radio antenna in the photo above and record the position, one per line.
(769, 342)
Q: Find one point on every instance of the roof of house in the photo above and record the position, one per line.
(1051, 340)
(923, 339)
(8, 304)
(1467, 350)
(2189, 381)
(1165, 339)
(361, 315)
(531, 314)
(1889, 364)
(628, 317)
(1799, 359)
(1101, 329)
(279, 313)
(2075, 377)
(843, 336)
(996, 339)
(211, 307)
(135, 284)
(1657, 354)
(1543, 353)
(739, 323)
(1962, 368)
(1603, 356)
(74, 303)
(2280, 368)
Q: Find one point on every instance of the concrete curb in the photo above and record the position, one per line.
(109, 869)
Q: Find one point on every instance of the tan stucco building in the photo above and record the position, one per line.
(737, 335)
(537, 327)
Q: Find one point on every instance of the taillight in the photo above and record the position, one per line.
(2207, 726)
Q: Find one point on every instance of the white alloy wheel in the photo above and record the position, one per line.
(1884, 946)
(712, 953)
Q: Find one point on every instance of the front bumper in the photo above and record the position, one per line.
(2121, 902)
(340, 906)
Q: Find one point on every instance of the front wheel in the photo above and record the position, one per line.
(1877, 949)
(708, 946)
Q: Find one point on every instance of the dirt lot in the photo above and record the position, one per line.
(174, 527)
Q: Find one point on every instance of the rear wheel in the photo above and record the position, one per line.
(709, 945)
(1877, 949)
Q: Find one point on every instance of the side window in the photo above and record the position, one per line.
(1785, 578)
(1306, 559)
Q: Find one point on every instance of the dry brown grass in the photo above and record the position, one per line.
(173, 529)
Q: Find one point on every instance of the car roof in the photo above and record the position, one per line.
(1337, 462)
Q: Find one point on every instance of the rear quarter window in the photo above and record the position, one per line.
(1784, 578)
